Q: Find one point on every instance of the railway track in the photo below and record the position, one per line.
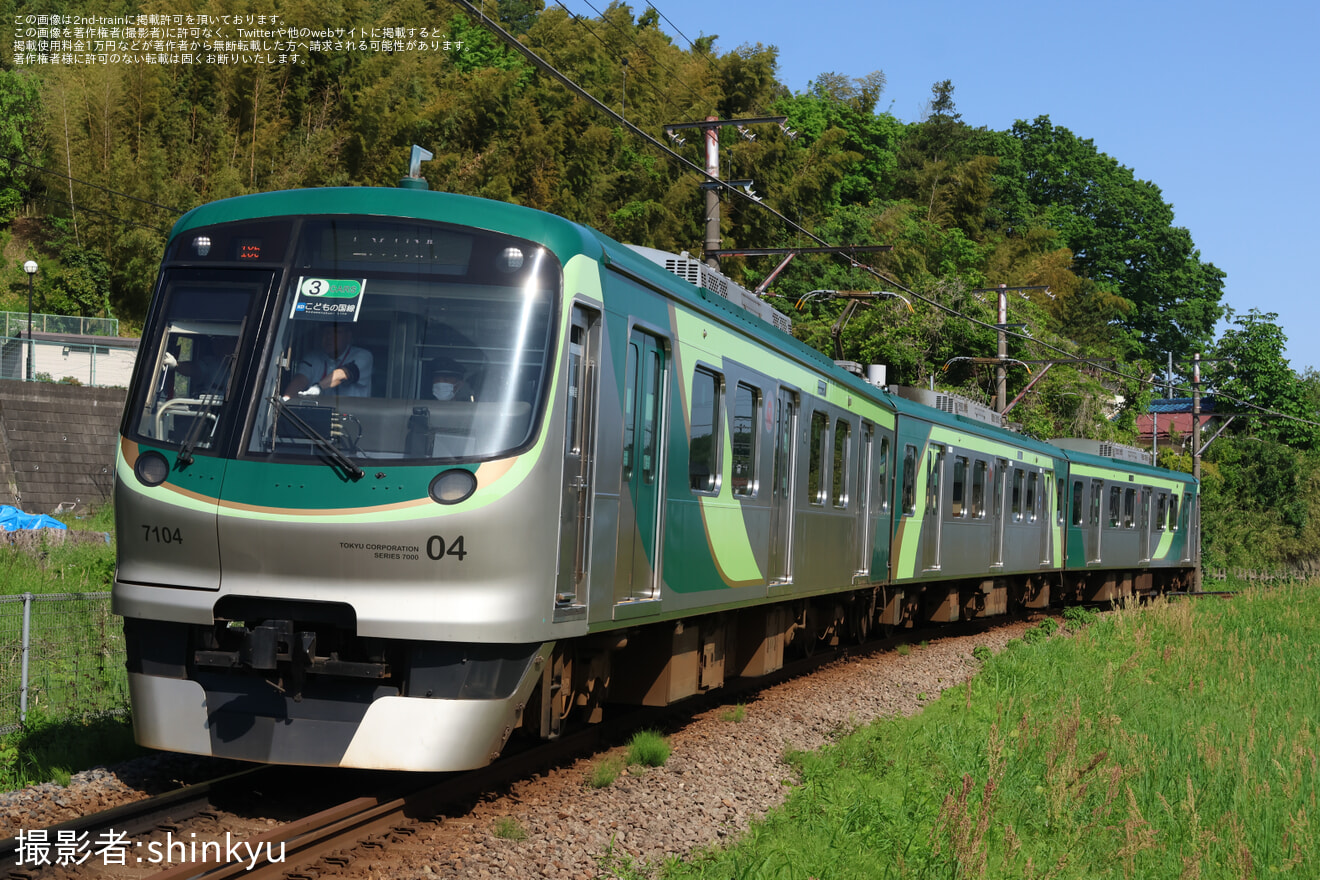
(182, 833)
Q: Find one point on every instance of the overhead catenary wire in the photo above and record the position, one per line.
(79, 207)
(80, 182)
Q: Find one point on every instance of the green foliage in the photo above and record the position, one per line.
(604, 772)
(1251, 368)
(64, 568)
(20, 138)
(648, 748)
(508, 828)
(47, 750)
(1137, 748)
(1121, 233)
(981, 653)
(1260, 503)
(1079, 616)
(735, 714)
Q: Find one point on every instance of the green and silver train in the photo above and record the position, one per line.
(404, 472)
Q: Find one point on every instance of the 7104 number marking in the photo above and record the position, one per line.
(161, 535)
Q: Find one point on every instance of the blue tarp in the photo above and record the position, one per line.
(12, 519)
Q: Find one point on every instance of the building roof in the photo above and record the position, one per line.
(1181, 405)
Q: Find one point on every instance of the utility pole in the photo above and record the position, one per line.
(712, 195)
(1001, 371)
(711, 127)
(1196, 416)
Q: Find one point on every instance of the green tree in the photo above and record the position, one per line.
(1122, 236)
(1252, 369)
(20, 139)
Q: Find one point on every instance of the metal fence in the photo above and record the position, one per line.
(88, 363)
(61, 656)
(15, 323)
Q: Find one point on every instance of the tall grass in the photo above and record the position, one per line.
(67, 567)
(1177, 741)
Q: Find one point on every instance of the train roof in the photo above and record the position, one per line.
(962, 423)
(1127, 467)
(564, 237)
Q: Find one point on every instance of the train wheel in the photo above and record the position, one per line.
(860, 613)
(810, 633)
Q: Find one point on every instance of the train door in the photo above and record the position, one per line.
(781, 492)
(1097, 521)
(1145, 497)
(1045, 497)
(931, 534)
(1000, 480)
(641, 483)
(579, 460)
(865, 494)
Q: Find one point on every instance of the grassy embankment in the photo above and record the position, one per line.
(1175, 741)
(54, 744)
(63, 568)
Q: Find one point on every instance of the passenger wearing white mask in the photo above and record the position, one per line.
(449, 382)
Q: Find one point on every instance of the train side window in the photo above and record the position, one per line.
(1129, 508)
(978, 489)
(998, 474)
(629, 405)
(1115, 505)
(882, 474)
(820, 425)
(1161, 511)
(1097, 491)
(934, 467)
(842, 437)
(746, 418)
(703, 448)
(1061, 503)
(1016, 496)
(1077, 503)
(653, 377)
(958, 509)
(909, 479)
(1032, 481)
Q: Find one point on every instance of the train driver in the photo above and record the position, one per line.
(337, 367)
(449, 381)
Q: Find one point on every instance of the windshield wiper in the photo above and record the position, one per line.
(211, 397)
(315, 436)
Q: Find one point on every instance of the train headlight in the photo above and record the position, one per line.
(151, 468)
(202, 245)
(453, 486)
(511, 260)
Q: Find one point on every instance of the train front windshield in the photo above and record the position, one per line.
(385, 339)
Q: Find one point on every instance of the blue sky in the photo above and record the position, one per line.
(1215, 102)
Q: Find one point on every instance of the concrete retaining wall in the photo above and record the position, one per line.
(57, 444)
